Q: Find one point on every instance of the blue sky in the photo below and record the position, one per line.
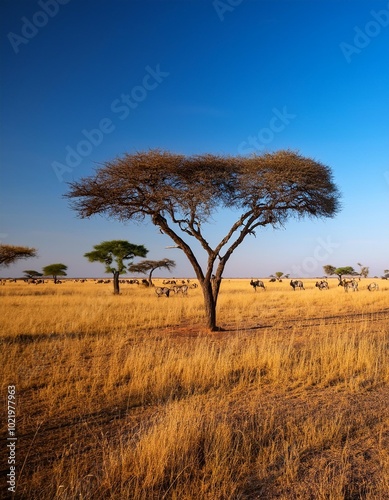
(85, 81)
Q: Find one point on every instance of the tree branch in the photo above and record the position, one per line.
(161, 222)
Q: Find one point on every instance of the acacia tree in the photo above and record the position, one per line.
(329, 270)
(11, 253)
(181, 193)
(31, 274)
(149, 266)
(55, 270)
(339, 271)
(363, 271)
(116, 251)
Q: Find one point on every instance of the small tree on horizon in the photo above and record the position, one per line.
(116, 251)
(363, 271)
(11, 253)
(55, 270)
(180, 194)
(279, 275)
(149, 266)
(329, 270)
(339, 271)
(31, 274)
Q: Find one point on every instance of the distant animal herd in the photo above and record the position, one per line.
(347, 284)
(181, 287)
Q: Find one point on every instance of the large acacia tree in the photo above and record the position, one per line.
(181, 193)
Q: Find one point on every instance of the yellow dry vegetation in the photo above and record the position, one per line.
(130, 397)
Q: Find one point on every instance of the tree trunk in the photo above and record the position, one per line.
(210, 306)
(116, 289)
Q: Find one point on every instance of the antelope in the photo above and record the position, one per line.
(257, 284)
(297, 284)
(180, 289)
(349, 284)
(162, 291)
(322, 285)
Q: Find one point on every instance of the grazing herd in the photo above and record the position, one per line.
(181, 287)
(347, 284)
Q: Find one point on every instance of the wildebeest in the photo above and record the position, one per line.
(322, 285)
(183, 289)
(163, 291)
(257, 284)
(372, 287)
(349, 285)
(297, 284)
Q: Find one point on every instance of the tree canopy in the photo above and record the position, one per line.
(31, 273)
(329, 270)
(363, 271)
(339, 271)
(115, 252)
(11, 253)
(55, 270)
(149, 266)
(181, 193)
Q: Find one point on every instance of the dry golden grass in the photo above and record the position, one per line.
(130, 397)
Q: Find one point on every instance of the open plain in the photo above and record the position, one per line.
(129, 396)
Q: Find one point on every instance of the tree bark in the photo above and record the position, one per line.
(150, 281)
(116, 289)
(210, 306)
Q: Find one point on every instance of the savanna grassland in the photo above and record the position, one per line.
(130, 397)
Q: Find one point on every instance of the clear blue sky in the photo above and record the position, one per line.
(87, 81)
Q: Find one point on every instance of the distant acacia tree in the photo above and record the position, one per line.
(180, 194)
(363, 271)
(116, 251)
(55, 270)
(31, 274)
(339, 271)
(329, 270)
(149, 266)
(279, 275)
(11, 253)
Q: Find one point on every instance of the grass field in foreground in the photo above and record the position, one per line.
(130, 397)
